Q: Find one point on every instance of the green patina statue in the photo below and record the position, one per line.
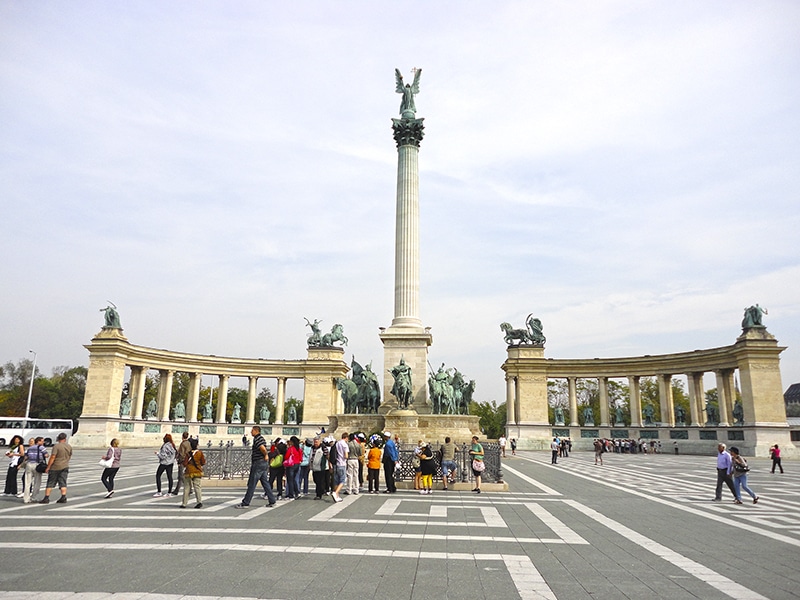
(111, 316)
(318, 339)
(402, 383)
(752, 317)
(532, 336)
(408, 109)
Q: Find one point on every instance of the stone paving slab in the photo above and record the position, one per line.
(637, 527)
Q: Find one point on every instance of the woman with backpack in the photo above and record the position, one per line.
(740, 470)
(193, 474)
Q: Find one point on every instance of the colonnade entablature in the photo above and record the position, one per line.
(106, 412)
(755, 357)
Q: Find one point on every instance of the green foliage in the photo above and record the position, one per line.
(492, 417)
(58, 396)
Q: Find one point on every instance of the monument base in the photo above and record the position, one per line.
(410, 426)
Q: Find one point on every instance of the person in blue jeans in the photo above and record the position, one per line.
(740, 470)
(258, 470)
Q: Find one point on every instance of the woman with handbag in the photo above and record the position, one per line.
(276, 468)
(34, 467)
(740, 470)
(166, 462)
(15, 455)
(476, 452)
(111, 463)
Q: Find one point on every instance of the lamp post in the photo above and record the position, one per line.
(30, 388)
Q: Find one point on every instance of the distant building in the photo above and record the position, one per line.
(792, 395)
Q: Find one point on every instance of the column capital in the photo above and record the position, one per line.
(408, 132)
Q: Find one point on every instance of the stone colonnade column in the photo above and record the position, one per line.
(635, 401)
(602, 383)
(138, 403)
(696, 396)
(281, 400)
(194, 397)
(572, 386)
(222, 398)
(252, 382)
(726, 399)
(165, 393)
(665, 400)
(511, 401)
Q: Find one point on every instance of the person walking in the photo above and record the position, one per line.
(390, 458)
(258, 471)
(183, 451)
(276, 455)
(15, 454)
(193, 475)
(374, 464)
(775, 455)
(114, 454)
(598, 452)
(478, 467)
(305, 467)
(37, 454)
(58, 469)
(340, 468)
(291, 464)
(166, 462)
(554, 449)
(319, 468)
(502, 441)
(740, 470)
(355, 454)
(449, 467)
(513, 446)
(724, 470)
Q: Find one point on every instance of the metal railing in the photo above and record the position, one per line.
(233, 462)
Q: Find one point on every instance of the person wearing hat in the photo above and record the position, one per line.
(390, 458)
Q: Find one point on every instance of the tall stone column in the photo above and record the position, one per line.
(222, 398)
(165, 394)
(251, 399)
(407, 339)
(602, 384)
(695, 381)
(511, 401)
(572, 386)
(722, 398)
(280, 401)
(665, 399)
(194, 397)
(138, 403)
(635, 401)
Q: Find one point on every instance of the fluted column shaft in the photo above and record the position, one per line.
(222, 398)
(406, 267)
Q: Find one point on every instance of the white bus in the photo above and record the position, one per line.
(33, 428)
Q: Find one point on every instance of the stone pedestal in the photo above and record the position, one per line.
(411, 344)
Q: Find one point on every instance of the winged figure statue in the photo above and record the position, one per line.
(407, 107)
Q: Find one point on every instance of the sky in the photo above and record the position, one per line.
(628, 172)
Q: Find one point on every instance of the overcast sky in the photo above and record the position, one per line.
(628, 172)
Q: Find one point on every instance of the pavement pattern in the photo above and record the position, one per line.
(640, 526)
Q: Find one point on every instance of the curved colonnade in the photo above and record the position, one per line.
(110, 354)
(755, 355)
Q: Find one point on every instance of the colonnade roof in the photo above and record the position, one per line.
(698, 361)
(168, 360)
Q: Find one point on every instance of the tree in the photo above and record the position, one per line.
(59, 396)
(492, 417)
(648, 389)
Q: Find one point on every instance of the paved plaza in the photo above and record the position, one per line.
(641, 526)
